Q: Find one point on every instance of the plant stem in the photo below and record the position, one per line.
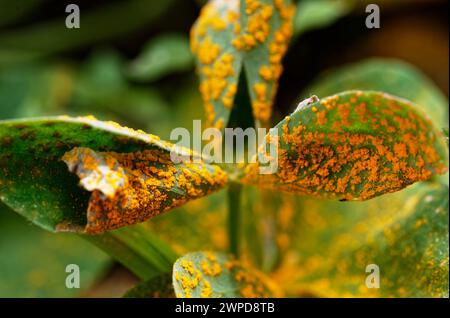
(137, 249)
(234, 222)
(240, 117)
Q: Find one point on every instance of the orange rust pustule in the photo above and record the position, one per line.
(357, 146)
(221, 44)
(197, 275)
(217, 66)
(128, 188)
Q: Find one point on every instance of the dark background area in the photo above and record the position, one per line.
(414, 31)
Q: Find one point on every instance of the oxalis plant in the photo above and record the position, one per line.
(375, 128)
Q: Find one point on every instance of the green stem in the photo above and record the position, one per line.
(137, 249)
(234, 222)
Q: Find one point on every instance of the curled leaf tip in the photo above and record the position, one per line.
(129, 188)
(94, 172)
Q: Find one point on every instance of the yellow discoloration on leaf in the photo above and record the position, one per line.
(217, 275)
(405, 234)
(218, 66)
(187, 220)
(224, 41)
(354, 146)
(269, 23)
(129, 188)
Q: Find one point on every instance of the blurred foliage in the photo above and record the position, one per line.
(33, 262)
(163, 55)
(112, 20)
(158, 287)
(212, 274)
(202, 221)
(405, 234)
(312, 14)
(236, 42)
(354, 145)
(386, 75)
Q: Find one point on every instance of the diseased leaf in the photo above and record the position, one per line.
(162, 56)
(35, 89)
(262, 62)
(231, 36)
(158, 287)
(130, 174)
(145, 107)
(47, 89)
(391, 76)
(209, 274)
(404, 233)
(218, 61)
(353, 146)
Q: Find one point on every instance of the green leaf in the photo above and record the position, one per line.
(232, 36)
(190, 228)
(162, 56)
(158, 287)
(405, 234)
(209, 274)
(313, 14)
(387, 75)
(353, 146)
(127, 176)
(35, 89)
(33, 262)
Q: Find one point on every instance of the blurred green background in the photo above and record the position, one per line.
(130, 62)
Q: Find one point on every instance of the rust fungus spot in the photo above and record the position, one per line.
(27, 135)
(350, 159)
(129, 188)
(198, 275)
(219, 66)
